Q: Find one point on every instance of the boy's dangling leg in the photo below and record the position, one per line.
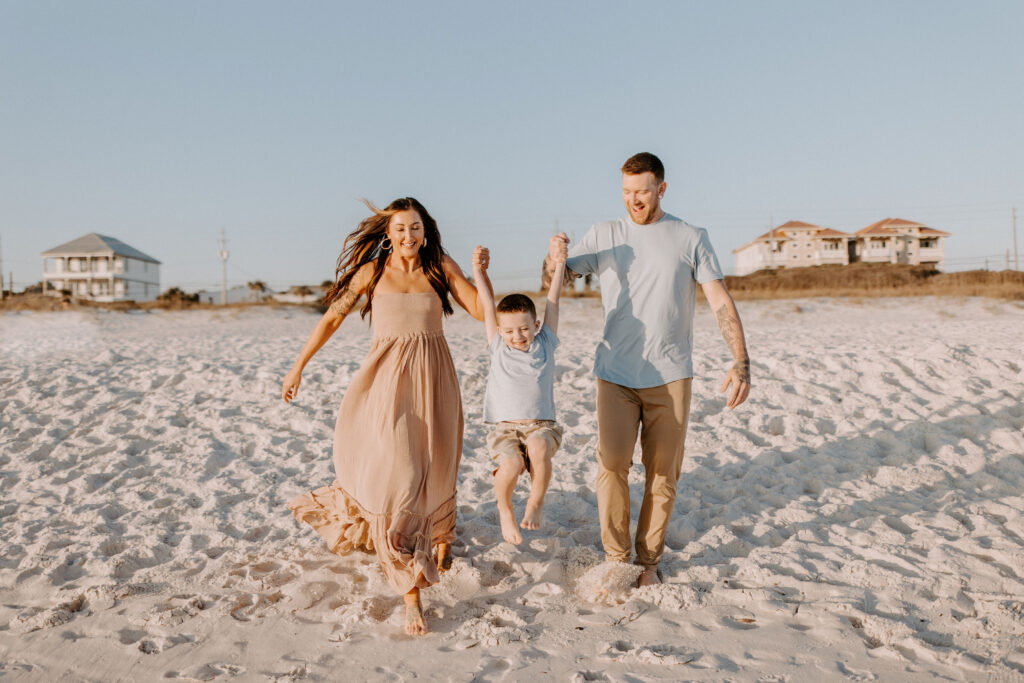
(504, 482)
(539, 450)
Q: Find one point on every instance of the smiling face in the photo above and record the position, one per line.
(518, 329)
(642, 194)
(406, 231)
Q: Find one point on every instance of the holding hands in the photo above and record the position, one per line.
(558, 250)
(481, 258)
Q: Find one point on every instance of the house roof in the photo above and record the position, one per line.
(788, 225)
(887, 226)
(776, 234)
(94, 243)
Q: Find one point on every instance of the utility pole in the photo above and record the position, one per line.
(223, 270)
(1016, 263)
(771, 241)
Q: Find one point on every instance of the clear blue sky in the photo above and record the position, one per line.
(160, 123)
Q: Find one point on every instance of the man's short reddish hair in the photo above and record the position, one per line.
(645, 162)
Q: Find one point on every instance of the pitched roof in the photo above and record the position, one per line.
(798, 225)
(777, 233)
(887, 226)
(94, 243)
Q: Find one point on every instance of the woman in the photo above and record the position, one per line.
(398, 438)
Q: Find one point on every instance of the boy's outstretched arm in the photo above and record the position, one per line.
(481, 259)
(556, 255)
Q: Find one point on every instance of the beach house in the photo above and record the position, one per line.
(797, 244)
(793, 244)
(101, 268)
(897, 240)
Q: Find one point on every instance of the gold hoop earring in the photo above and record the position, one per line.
(385, 248)
(424, 243)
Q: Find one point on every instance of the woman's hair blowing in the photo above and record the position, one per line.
(363, 246)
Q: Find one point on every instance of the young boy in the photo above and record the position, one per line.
(520, 398)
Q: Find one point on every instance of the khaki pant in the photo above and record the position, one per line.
(661, 413)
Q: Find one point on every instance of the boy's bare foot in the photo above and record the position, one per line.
(415, 625)
(533, 516)
(444, 557)
(508, 526)
(648, 577)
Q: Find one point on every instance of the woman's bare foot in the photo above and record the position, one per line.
(648, 577)
(444, 557)
(414, 622)
(508, 526)
(533, 516)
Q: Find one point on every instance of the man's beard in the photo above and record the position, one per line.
(650, 211)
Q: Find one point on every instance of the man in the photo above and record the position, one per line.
(649, 264)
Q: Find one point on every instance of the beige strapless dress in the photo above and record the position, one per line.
(397, 446)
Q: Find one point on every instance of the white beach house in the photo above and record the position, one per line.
(101, 268)
(797, 244)
(897, 240)
(793, 245)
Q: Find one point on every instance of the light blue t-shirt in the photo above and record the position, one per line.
(648, 276)
(521, 384)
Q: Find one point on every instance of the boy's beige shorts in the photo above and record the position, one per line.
(507, 441)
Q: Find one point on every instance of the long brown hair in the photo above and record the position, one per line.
(363, 246)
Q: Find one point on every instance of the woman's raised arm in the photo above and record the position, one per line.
(328, 325)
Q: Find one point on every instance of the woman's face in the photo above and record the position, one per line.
(406, 231)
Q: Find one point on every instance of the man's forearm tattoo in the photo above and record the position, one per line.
(345, 301)
(742, 367)
(732, 333)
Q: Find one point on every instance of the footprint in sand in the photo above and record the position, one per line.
(493, 669)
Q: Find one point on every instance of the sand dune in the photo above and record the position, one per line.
(860, 518)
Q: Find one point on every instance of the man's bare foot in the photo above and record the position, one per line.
(648, 577)
(508, 526)
(444, 557)
(415, 625)
(533, 516)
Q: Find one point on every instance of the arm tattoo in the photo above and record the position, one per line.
(732, 333)
(345, 301)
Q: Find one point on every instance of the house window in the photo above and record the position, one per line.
(929, 243)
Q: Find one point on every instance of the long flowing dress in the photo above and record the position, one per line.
(397, 446)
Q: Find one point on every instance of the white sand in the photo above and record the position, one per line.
(859, 518)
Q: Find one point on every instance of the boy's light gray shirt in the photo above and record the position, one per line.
(521, 384)
(648, 276)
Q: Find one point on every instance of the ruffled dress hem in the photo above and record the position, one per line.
(402, 540)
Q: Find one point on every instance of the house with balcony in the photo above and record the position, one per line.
(794, 244)
(898, 240)
(101, 268)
